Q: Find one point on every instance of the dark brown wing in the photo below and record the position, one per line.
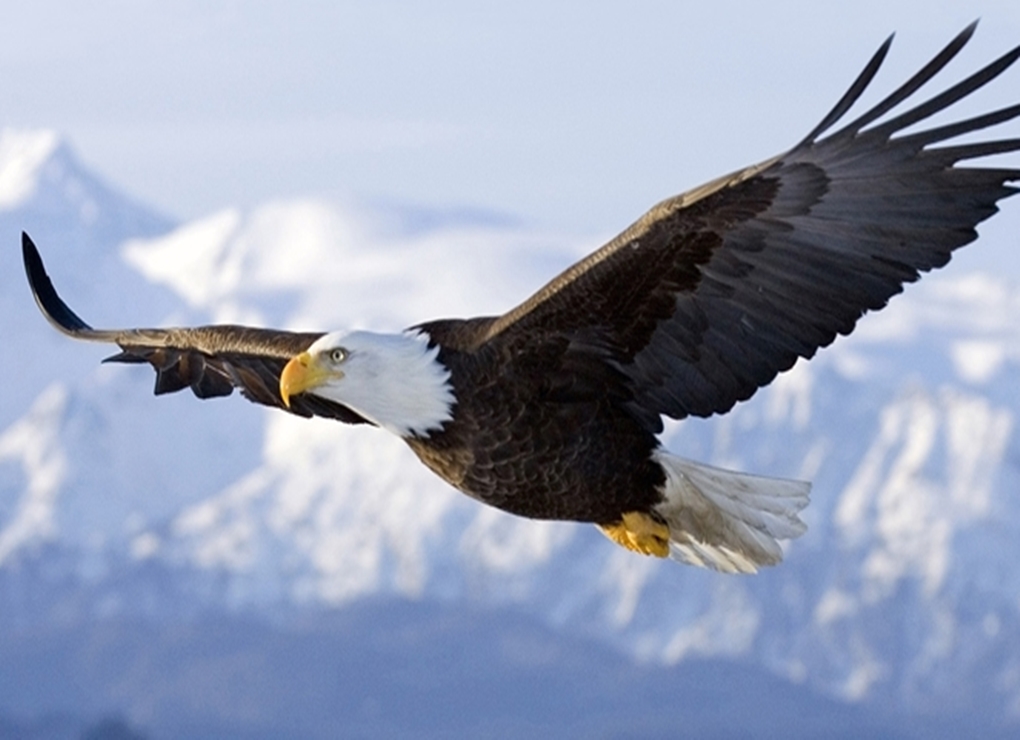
(712, 293)
(211, 360)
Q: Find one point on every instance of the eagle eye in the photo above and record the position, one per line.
(337, 355)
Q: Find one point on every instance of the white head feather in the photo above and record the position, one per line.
(393, 380)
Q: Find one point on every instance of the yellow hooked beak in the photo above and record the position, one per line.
(303, 373)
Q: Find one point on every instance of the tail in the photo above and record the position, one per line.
(725, 520)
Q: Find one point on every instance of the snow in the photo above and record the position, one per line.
(927, 472)
(978, 360)
(903, 586)
(728, 628)
(22, 155)
(34, 443)
(192, 260)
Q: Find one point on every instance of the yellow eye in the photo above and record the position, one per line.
(338, 355)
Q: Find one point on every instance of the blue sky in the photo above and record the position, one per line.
(571, 116)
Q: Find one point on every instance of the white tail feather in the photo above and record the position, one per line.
(725, 520)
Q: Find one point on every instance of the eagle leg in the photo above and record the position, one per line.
(640, 532)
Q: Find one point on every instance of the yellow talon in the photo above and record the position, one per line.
(639, 532)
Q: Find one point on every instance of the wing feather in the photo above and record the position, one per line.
(712, 293)
(901, 93)
(210, 360)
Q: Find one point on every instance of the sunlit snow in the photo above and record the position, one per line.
(908, 429)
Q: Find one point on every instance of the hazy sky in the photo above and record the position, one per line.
(573, 116)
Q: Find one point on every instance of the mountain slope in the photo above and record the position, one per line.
(45, 191)
(116, 504)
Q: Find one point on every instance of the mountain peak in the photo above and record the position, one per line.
(23, 155)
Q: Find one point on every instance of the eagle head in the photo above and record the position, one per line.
(394, 380)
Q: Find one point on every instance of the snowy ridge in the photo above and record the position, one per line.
(34, 444)
(903, 589)
(81, 222)
(23, 156)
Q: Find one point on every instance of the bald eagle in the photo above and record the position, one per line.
(552, 410)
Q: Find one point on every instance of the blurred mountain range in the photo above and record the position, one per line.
(176, 562)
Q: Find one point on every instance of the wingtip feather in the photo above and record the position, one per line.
(58, 313)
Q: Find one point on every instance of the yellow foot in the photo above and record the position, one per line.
(640, 532)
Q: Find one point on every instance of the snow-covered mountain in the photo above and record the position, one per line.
(45, 191)
(116, 504)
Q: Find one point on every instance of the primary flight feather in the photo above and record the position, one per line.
(552, 410)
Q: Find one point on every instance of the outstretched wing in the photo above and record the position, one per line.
(712, 293)
(211, 360)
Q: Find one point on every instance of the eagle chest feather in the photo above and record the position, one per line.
(449, 463)
(521, 440)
